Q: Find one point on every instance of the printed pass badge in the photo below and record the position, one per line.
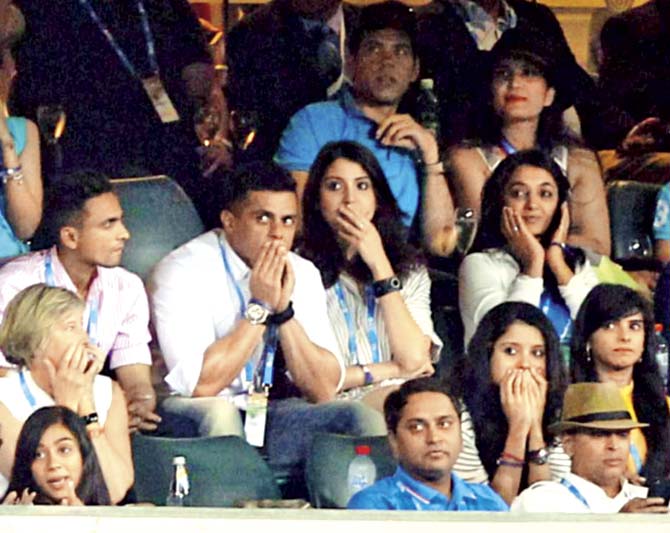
(254, 423)
(160, 99)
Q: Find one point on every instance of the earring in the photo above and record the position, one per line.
(588, 352)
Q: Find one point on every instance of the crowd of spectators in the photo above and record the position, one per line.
(332, 204)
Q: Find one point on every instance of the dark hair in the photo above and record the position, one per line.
(515, 46)
(255, 176)
(381, 16)
(607, 303)
(482, 396)
(319, 243)
(396, 401)
(65, 202)
(91, 490)
(493, 200)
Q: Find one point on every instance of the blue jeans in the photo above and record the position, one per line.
(293, 422)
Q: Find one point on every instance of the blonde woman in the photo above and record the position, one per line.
(42, 332)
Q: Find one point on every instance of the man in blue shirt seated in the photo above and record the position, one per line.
(424, 432)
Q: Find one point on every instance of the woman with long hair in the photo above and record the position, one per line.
(520, 251)
(614, 341)
(524, 113)
(511, 382)
(56, 462)
(377, 286)
(42, 333)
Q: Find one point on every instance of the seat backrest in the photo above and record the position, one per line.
(631, 206)
(328, 466)
(160, 217)
(222, 470)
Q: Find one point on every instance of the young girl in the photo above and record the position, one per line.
(56, 462)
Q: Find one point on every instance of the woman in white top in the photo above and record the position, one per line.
(525, 113)
(521, 251)
(378, 290)
(42, 332)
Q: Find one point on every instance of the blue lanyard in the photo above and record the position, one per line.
(270, 351)
(637, 459)
(507, 146)
(94, 308)
(26, 391)
(575, 492)
(148, 37)
(373, 338)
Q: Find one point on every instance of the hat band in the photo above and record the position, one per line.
(599, 417)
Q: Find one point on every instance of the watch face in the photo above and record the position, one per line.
(256, 314)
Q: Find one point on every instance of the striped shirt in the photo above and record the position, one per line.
(415, 292)
(123, 310)
(470, 468)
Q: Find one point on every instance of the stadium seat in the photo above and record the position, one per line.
(222, 470)
(328, 464)
(631, 206)
(160, 217)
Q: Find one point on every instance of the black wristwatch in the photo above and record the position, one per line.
(278, 319)
(538, 457)
(384, 286)
(90, 418)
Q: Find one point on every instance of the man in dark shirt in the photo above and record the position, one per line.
(112, 123)
(282, 57)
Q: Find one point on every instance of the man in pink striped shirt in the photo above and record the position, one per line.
(84, 218)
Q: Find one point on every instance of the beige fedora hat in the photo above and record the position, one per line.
(595, 406)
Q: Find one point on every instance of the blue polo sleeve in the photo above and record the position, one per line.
(662, 215)
(299, 144)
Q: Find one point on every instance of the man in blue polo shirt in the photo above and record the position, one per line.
(384, 65)
(424, 432)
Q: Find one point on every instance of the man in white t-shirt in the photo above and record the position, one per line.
(595, 432)
(240, 318)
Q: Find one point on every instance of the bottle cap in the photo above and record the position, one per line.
(658, 328)
(362, 449)
(178, 460)
(426, 83)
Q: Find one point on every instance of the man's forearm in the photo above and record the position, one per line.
(315, 371)
(224, 359)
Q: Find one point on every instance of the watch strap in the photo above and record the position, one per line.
(385, 286)
(368, 377)
(278, 319)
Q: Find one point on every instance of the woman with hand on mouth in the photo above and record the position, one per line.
(526, 113)
(56, 462)
(377, 287)
(614, 341)
(42, 333)
(520, 249)
(511, 382)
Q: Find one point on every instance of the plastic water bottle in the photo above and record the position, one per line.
(179, 485)
(662, 354)
(362, 471)
(428, 106)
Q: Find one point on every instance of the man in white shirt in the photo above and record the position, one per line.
(595, 432)
(240, 317)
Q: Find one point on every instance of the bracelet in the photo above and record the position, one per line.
(90, 418)
(506, 462)
(369, 378)
(384, 286)
(278, 319)
(507, 455)
(434, 168)
(561, 245)
(12, 174)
